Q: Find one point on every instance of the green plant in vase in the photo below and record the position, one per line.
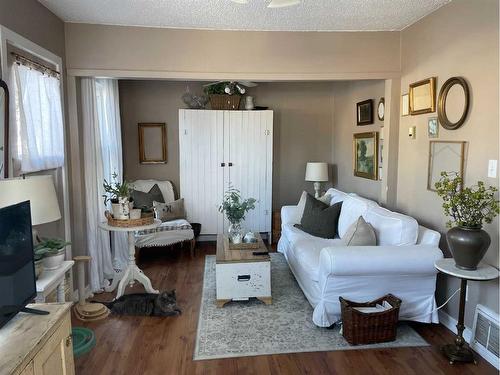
(468, 208)
(52, 251)
(235, 209)
(118, 193)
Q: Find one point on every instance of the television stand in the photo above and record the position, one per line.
(29, 310)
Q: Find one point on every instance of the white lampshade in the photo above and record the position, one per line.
(317, 172)
(39, 190)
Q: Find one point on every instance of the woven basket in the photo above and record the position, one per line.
(227, 102)
(146, 219)
(360, 328)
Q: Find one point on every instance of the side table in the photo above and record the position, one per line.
(132, 272)
(459, 352)
(52, 279)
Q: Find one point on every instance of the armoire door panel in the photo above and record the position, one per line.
(248, 153)
(201, 155)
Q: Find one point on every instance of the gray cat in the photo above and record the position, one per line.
(145, 304)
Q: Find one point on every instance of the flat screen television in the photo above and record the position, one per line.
(17, 266)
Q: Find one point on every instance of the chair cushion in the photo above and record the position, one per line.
(392, 228)
(145, 200)
(320, 219)
(360, 233)
(352, 208)
(307, 248)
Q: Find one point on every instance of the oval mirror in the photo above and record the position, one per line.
(453, 103)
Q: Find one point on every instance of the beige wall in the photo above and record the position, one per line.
(32, 20)
(460, 39)
(347, 94)
(219, 54)
(303, 129)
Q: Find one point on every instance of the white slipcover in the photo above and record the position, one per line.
(178, 230)
(325, 269)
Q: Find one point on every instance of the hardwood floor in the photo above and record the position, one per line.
(138, 345)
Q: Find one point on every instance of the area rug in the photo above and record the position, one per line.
(250, 328)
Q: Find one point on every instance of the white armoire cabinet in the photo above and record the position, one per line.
(223, 148)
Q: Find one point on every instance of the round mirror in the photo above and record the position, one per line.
(453, 103)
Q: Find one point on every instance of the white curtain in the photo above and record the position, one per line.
(38, 140)
(102, 157)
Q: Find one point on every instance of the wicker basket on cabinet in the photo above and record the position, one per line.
(360, 328)
(226, 102)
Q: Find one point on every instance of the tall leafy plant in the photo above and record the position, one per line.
(234, 207)
(467, 207)
(115, 189)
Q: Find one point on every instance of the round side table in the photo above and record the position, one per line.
(132, 273)
(459, 352)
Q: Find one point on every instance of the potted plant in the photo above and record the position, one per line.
(118, 193)
(468, 208)
(53, 251)
(38, 258)
(224, 95)
(235, 209)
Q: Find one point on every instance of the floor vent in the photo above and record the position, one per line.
(485, 338)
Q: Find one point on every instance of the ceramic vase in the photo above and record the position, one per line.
(121, 210)
(468, 246)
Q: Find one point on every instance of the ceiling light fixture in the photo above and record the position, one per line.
(273, 3)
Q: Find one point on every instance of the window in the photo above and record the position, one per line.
(38, 140)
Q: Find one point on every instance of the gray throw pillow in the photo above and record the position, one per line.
(320, 219)
(360, 233)
(170, 211)
(145, 200)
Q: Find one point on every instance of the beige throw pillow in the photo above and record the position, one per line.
(170, 211)
(360, 233)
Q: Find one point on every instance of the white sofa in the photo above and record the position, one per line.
(402, 263)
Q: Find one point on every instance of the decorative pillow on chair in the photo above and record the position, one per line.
(320, 219)
(145, 200)
(360, 233)
(170, 211)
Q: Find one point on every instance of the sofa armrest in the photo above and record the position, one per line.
(378, 260)
(289, 215)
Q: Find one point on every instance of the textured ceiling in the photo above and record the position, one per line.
(310, 15)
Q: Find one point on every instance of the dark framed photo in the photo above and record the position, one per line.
(365, 112)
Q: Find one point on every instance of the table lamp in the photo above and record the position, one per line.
(39, 190)
(317, 172)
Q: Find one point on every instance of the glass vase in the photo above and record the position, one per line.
(235, 233)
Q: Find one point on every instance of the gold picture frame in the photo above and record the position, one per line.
(365, 155)
(152, 143)
(445, 156)
(423, 96)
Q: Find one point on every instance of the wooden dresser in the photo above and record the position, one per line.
(38, 344)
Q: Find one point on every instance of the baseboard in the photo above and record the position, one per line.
(451, 323)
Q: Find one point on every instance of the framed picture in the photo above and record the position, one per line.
(433, 127)
(444, 156)
(152, 143)
(405, 105)
(423, 96)
(365, 112)
(365, 149)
